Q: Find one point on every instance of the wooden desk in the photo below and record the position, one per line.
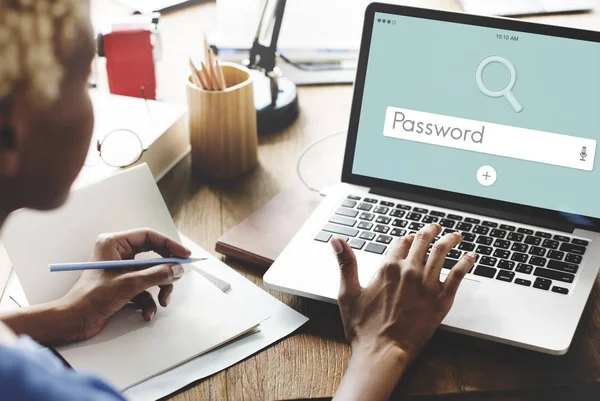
(309, 364)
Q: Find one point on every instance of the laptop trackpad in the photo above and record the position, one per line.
(463, 302)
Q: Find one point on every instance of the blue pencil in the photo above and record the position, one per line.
(120, 264)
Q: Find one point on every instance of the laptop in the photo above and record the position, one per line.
(525, 7)
(487, 126)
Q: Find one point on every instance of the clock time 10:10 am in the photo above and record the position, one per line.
(503, 36)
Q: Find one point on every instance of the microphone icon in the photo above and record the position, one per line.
(583, 153)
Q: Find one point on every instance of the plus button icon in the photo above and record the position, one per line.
(486, 176)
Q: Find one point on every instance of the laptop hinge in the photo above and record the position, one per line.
(471, 208)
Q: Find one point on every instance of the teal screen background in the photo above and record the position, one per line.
(429, 66)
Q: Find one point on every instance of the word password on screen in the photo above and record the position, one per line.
(490, 138)
(432, 128)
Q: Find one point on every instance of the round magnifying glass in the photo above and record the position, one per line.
(121, 148)
(507, 91)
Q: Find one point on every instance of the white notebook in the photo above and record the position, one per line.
(129, 350)
(34, 239)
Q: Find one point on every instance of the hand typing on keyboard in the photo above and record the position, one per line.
(388, 322)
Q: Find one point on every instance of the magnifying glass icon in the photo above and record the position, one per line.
(507, 90)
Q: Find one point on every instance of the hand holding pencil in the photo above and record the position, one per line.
(210, 77)
(98, 294)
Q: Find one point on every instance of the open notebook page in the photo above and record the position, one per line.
(34, 239)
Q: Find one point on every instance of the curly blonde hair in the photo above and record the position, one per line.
(36, 37)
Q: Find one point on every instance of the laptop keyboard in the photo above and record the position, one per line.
(505, 252)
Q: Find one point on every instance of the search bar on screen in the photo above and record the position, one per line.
(494, 139)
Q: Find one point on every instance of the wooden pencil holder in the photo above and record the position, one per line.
(223, 131)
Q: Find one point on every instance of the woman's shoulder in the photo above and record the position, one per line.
(29, 371)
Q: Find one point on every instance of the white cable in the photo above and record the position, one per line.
(305, 151)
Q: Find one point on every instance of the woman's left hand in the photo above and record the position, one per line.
(99, 294)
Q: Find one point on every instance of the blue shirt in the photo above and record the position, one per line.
(30, 372)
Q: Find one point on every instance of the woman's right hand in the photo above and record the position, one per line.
(388, 322)
(99, 294)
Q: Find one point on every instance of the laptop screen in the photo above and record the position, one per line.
(493, 113)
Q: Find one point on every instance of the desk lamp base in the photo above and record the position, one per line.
(274, 115)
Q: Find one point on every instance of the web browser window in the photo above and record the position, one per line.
(500, 114)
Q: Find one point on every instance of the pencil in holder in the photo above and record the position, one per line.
(222, 124)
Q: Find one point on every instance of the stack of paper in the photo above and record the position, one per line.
(283, 321)
(129, 350)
